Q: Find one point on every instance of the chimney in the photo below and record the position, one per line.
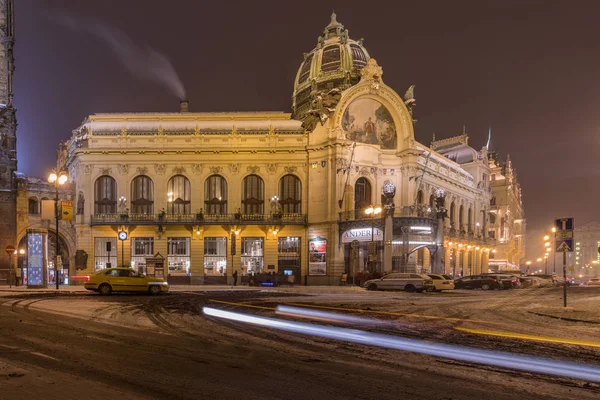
(184, 106)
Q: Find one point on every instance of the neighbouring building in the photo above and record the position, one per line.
(507, 216)
(36, 236)
(275, 193)
(8, 139)
(587, 256)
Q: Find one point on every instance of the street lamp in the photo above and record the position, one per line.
(57, 179)
(372, 211)
(528, 263)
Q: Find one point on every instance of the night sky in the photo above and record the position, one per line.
(527, 68)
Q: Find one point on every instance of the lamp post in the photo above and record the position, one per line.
(554, 252)
(57, 179)
(372, 211)
(528, 263)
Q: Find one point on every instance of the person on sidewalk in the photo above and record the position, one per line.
(235, 276)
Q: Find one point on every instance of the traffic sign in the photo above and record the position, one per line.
(564, 234)
(564, 224)
(10, 249)
(564, 246)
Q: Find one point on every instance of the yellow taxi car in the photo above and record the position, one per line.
(124, 280)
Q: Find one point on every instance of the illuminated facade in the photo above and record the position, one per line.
(507, 217)
(266, 193)
(587, 243)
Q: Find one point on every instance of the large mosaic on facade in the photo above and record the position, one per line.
(368, 121)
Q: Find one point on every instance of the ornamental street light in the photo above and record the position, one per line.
(57, 179)
(528, 263)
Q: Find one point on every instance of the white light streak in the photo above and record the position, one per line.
(469, 354)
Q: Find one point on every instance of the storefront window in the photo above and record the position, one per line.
(252, 256)
(141, 248)
(101, 254)
(215, 256)
(179, 256)
(288, 259)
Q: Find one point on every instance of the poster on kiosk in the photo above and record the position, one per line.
(317, 256)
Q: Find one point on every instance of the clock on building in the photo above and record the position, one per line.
(122, 235)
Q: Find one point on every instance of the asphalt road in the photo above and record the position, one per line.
(132, 347)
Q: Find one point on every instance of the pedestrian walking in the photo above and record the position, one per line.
(235, 275)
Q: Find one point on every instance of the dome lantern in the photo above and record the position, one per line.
(331, 67)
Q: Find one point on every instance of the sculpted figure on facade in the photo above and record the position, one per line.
(123, 169)
(216, 170)
(271, 168)
(253, 169)
(142, 170)
(234, 168)
(160, 168)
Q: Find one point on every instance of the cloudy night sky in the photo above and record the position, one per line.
(526, 68)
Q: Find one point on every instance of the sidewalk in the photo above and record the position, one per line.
(195, 288)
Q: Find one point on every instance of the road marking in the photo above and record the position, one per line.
(242, 305)
(360, 310)
(530, 337)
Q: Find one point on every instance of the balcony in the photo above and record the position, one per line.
(198, 219)
(462, 234)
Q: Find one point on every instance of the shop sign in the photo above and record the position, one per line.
(317, 256)
(362, 235)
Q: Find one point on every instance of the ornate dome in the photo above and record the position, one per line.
(334, 64)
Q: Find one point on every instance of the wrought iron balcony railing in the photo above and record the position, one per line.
(198, 219)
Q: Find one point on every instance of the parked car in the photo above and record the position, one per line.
(477, 282)
(593, 282)
(401, 281)
(124, 280)
(507, 281)
(442, 282)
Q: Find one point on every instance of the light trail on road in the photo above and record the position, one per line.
(525, 336)
(461, 353)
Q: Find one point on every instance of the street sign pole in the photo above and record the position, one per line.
(565, 278)
(564, 242)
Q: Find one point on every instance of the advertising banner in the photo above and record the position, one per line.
(317, 256)
(67, 211)
(362, 235)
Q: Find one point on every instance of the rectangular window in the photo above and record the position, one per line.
(101, 254)
(288, 257)
(252, 255)
(215, 256)
(178, 256)
(141, 248)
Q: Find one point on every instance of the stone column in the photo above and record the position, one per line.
(387, 243)
(438, 267)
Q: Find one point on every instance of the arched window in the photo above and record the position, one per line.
(362, 196)
(452, 216)
(470, 219)
(461, 218)
(215, 195)
(290, 192)
(420, 197)
(34, 206)
(432, 202)
(142, 195)
(105, 195)
(253, 195)
(179, 195)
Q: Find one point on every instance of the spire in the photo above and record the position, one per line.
(464, 129)
(487, 146)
